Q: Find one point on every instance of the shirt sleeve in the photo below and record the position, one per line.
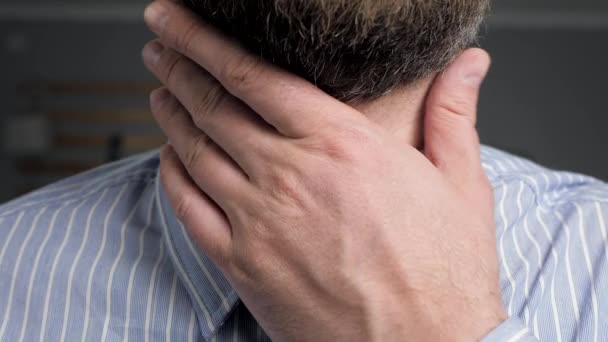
(511, 330)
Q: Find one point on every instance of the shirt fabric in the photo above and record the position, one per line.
(102, 257)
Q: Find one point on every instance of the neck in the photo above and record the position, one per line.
(401, 113)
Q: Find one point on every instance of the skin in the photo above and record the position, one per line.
(329, 224)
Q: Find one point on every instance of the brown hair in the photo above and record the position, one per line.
(355, 50)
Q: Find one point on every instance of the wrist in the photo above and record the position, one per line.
(398, 321)
(477, 321)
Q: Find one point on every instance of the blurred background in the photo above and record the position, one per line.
(74, 93)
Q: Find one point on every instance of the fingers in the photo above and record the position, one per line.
(212, 170)
(205, 221)
(226, 120)
(451, 139)
(302, 107)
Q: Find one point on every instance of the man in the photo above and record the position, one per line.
(296, 226)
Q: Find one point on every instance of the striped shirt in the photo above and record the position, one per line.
(102, 257)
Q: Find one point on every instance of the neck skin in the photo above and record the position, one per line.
(401, 112)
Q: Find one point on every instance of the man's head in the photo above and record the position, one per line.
(356, 50)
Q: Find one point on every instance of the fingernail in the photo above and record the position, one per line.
(475, 75)
(152, 52)
(157, 99)
(155, 16)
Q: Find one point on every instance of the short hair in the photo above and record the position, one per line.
(355, 50)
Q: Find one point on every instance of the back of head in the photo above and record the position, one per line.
(355, 50)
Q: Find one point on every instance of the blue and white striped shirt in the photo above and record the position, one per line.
(101, 257)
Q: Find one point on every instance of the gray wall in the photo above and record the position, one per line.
(550, 5)
(54, 51)
(544, 97)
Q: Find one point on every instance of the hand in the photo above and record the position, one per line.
(328, 228)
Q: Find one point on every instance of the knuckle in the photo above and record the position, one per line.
(193, 155)
(357, 135)
(286, 190)
(219, 251)
(283, 183)
(244, 269)
(184, 42)
(165, 106)
(456, 106)
(173, 69)
(182, 207)
(349, 144)
(208, 102)
(337, 149)
(172, 112)
(446, 121)
(240, 73)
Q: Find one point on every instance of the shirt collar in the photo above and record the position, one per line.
(212, 297)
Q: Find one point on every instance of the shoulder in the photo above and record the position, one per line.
(550, 188)
(137, 170)
(529, 194)
(551, 235)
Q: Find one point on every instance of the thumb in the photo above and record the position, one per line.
(451, 139)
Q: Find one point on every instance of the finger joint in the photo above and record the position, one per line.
(185, 41)
(208, 103)
(241, 73)
(194, 154)
(173, 70)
